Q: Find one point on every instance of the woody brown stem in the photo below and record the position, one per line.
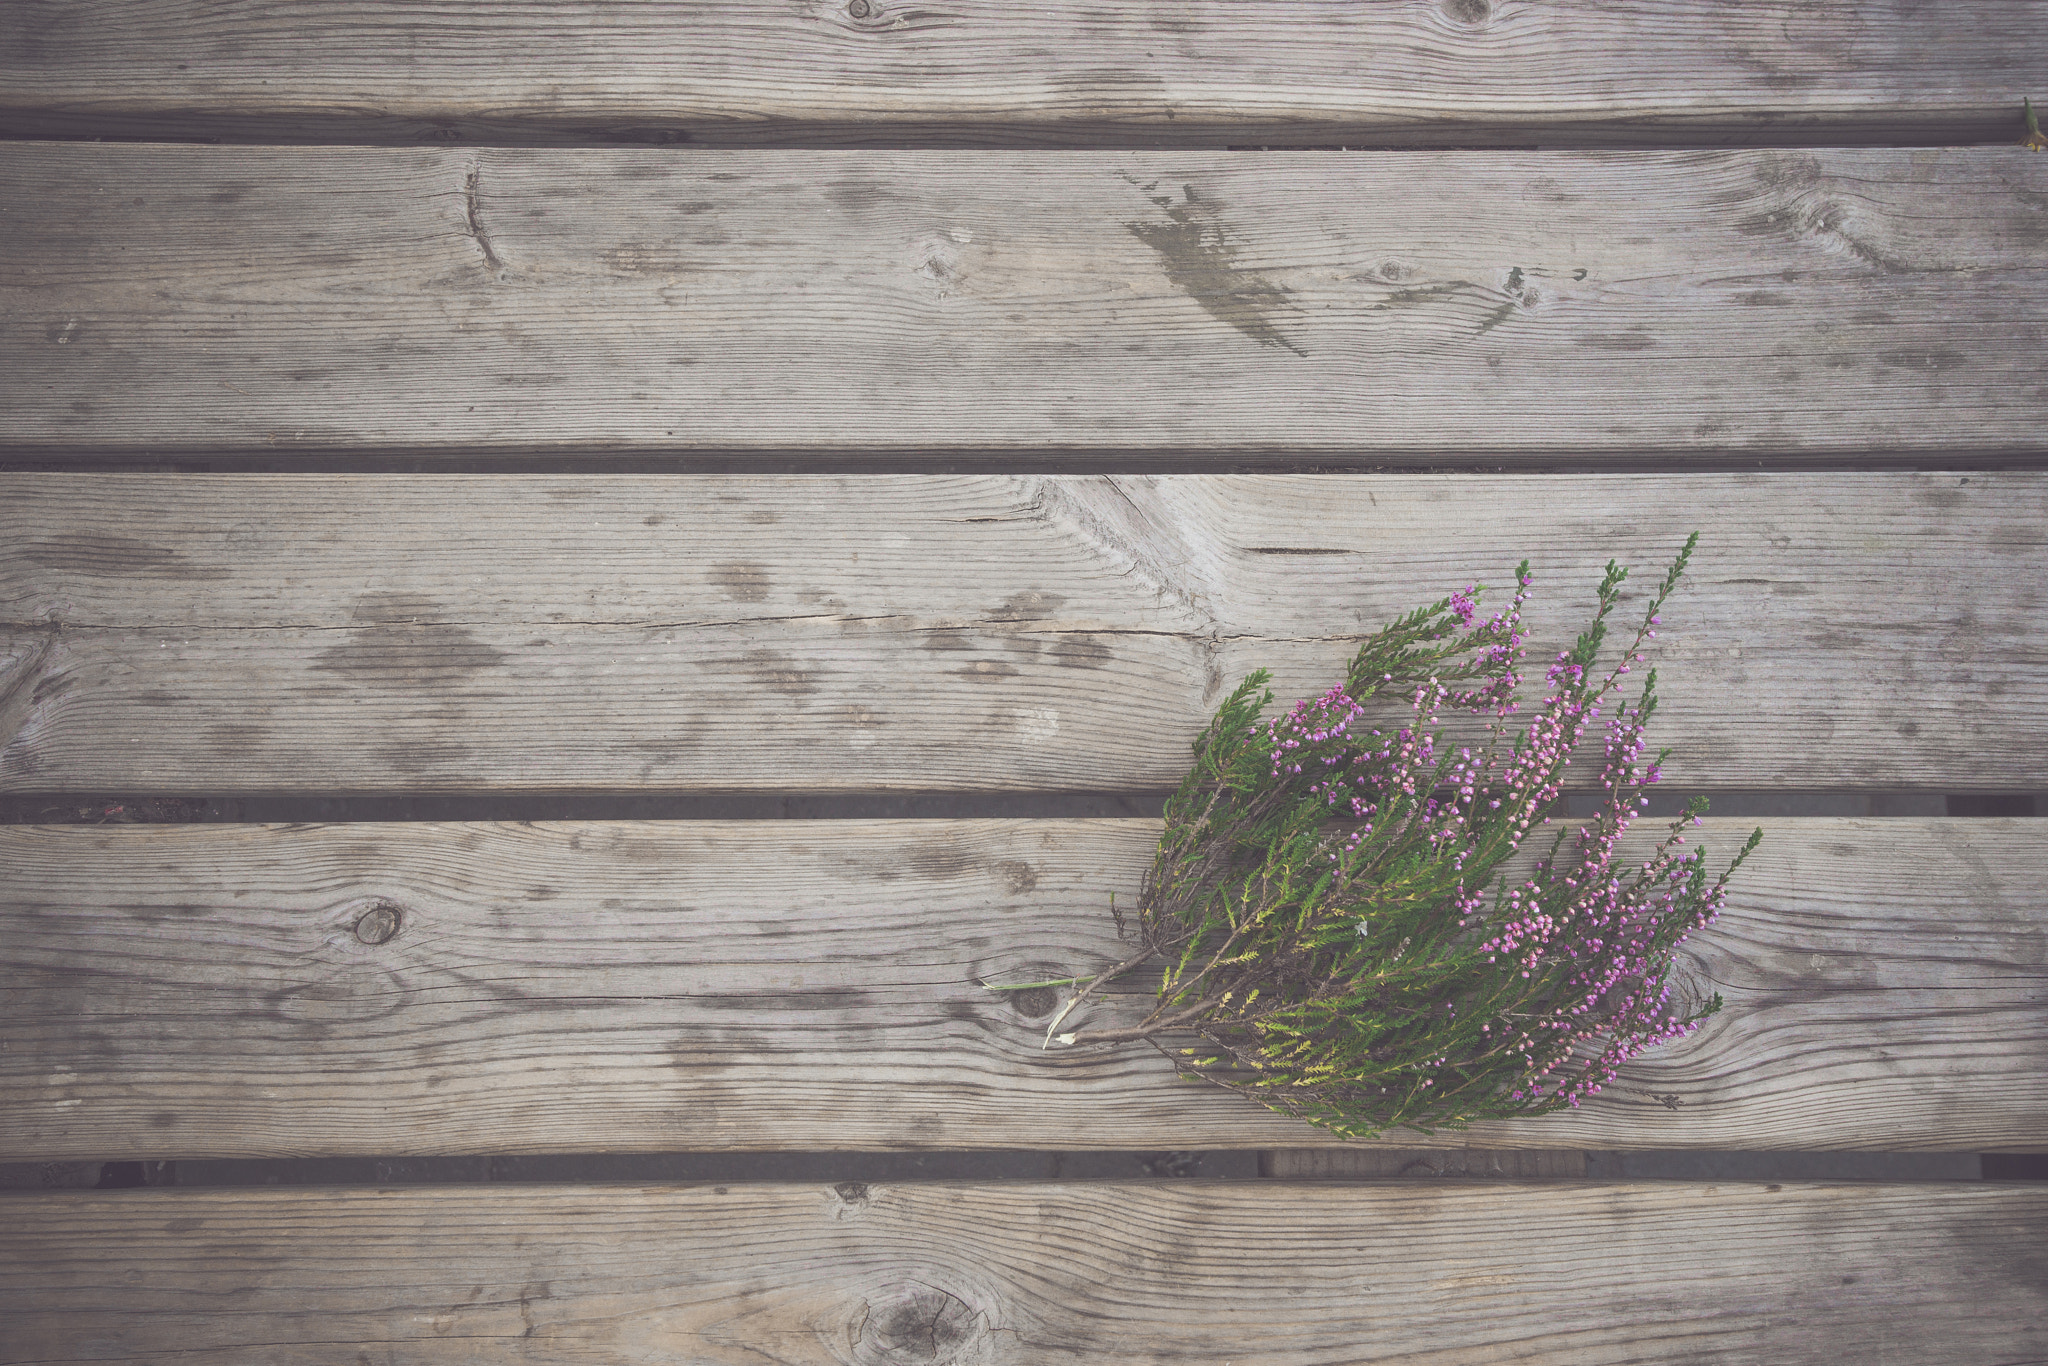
(1143, 1031)
(1108, 975)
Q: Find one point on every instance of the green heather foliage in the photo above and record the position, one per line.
(1341, 941)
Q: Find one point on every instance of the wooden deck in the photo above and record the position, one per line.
(576, 402)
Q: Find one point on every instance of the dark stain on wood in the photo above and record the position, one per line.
(234, 739)
(354, 994)
(742, 580)
(1420, 294)
(705, 1052)
(824, 998)
(1198, 257)
(1520, 294)
(778, 672)
(1929, 360)
(1547, 189)
(1617, 341)
(397, 643)
(939, 862)
(23, 685)
(1793, 170)
(2018, 538)
(1030, 605)
(423, 756)
(1767, 223)
(1017, 875)
(661, 258)
(110, 556)
(1081, 653)
(1995, 1245)
(860, 196)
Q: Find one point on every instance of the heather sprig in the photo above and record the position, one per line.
(1339, 935)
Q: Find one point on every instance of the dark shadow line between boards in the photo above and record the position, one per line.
(1624, 132)
(514, 807)
(1033, 460)
(1388, 1165)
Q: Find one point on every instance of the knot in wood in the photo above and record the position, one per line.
(379, 924)
(1034, 1002)
(918, 1323)
(860, 9)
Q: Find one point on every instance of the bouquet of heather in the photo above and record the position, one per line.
(1328, 896)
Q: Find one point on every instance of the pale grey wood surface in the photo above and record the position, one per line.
(807, 633)
(1281, 1274)
(204, 991)
(974, 306)
(1064, 72)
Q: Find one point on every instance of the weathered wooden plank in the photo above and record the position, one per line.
(208, 991)
(830, 72)
(1571, 1274)
(237, 633)
(1411, 306)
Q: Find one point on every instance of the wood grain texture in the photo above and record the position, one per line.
(1279, 1274)
(1065, 72)
(204, 991)
(955, 306)
(807, 633)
